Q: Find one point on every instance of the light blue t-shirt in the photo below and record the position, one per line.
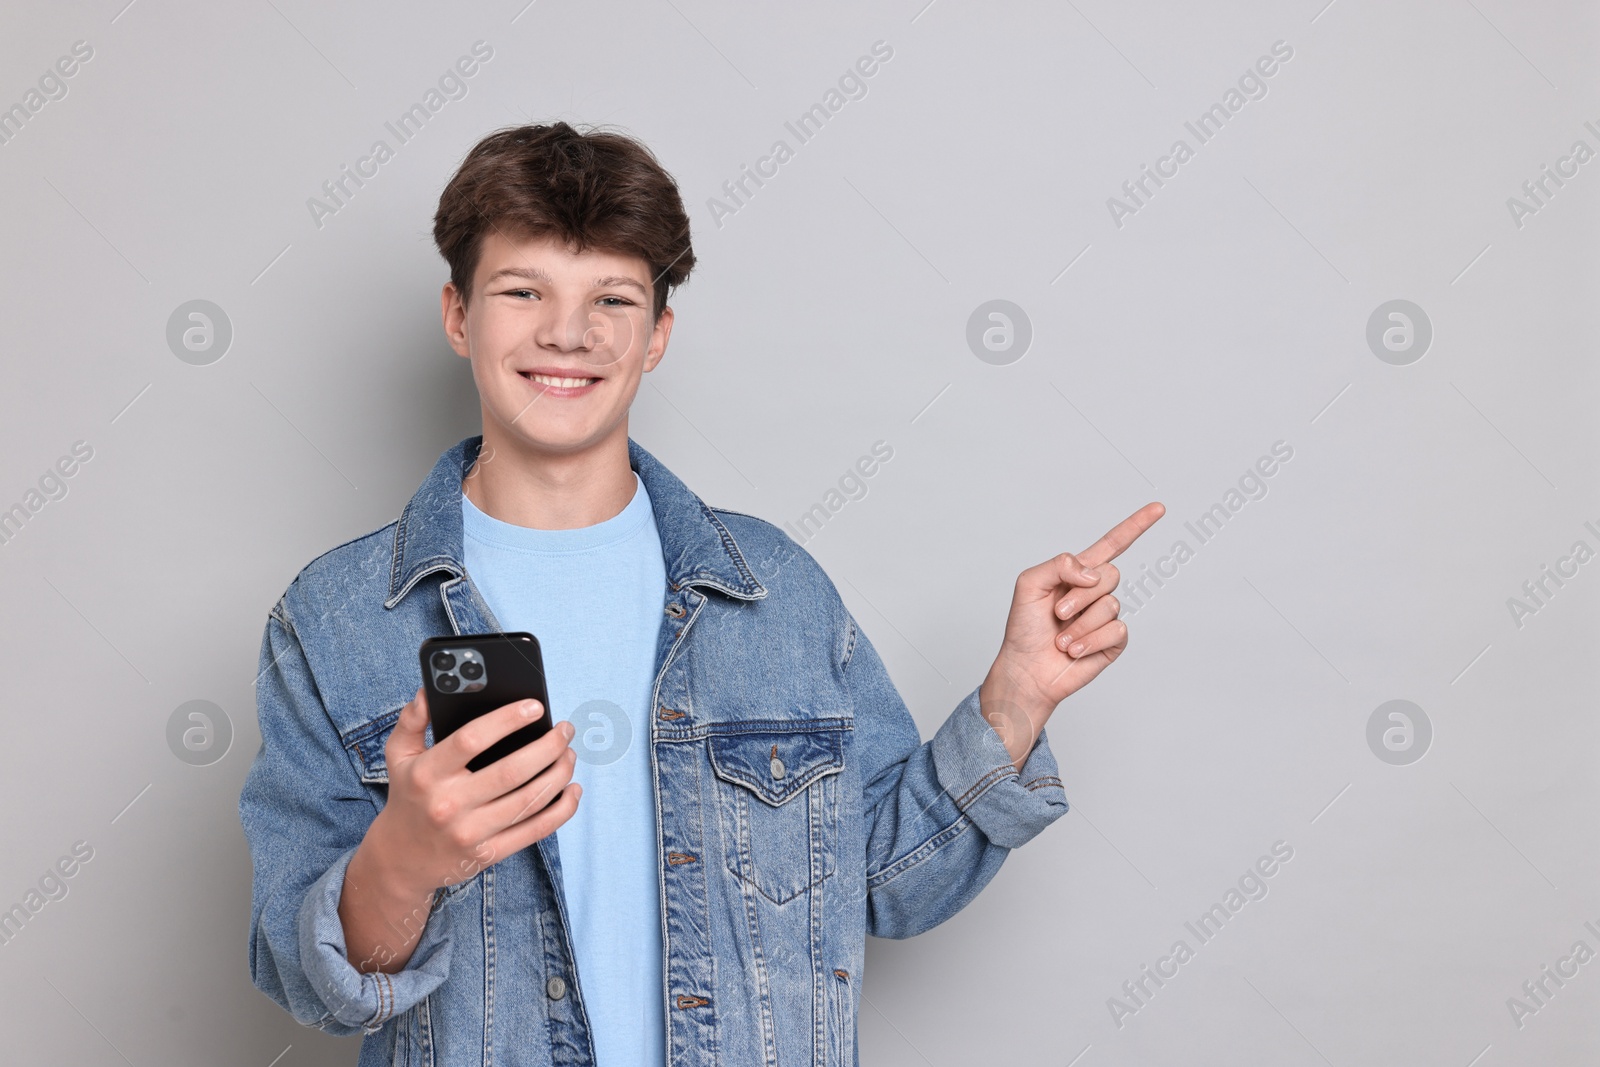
(594, 598)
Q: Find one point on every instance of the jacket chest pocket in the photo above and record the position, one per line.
(778, 802)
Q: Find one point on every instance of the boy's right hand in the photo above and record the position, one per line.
(443, 823)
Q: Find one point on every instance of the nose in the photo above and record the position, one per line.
(568, 326)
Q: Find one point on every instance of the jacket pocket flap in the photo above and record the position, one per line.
(776, 763)
(366, 743)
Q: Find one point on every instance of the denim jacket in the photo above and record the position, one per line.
(797, 809)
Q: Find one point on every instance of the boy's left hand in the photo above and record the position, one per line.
(1063, 630)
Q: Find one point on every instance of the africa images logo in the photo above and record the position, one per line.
(1252, 85)
(451, 85)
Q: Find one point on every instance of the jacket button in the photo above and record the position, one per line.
(556, 987)
(675, 610)
(777, 764)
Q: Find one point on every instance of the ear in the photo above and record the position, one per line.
(659, 336)
(454, 315)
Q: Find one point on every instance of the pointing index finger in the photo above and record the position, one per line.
(1123, 534)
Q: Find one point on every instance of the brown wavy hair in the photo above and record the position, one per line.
(591, 189)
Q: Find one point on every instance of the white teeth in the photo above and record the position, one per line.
(561, 383)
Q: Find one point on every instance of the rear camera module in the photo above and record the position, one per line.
(458, 670)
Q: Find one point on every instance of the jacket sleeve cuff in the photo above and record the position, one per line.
(1010, 808)
(366, 1000)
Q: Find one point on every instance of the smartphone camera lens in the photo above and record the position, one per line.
(447, 683)
(443, 661)
(471, 671)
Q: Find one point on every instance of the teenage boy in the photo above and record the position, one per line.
(755, 798)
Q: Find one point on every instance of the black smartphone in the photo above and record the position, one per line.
(473, 674)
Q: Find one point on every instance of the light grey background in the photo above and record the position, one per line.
(829, 312)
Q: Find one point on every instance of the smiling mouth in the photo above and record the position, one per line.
(558, 383)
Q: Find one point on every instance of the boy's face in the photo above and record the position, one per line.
(557, 341)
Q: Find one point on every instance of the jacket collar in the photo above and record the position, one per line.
(697, 548)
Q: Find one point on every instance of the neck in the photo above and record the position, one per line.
(522, 484)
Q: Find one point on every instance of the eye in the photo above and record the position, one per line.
(520, 292)
(620, 301)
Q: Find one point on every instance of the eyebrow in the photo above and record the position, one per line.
(535, 274)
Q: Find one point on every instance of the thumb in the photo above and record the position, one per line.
(1039, 582)
(407, 738)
